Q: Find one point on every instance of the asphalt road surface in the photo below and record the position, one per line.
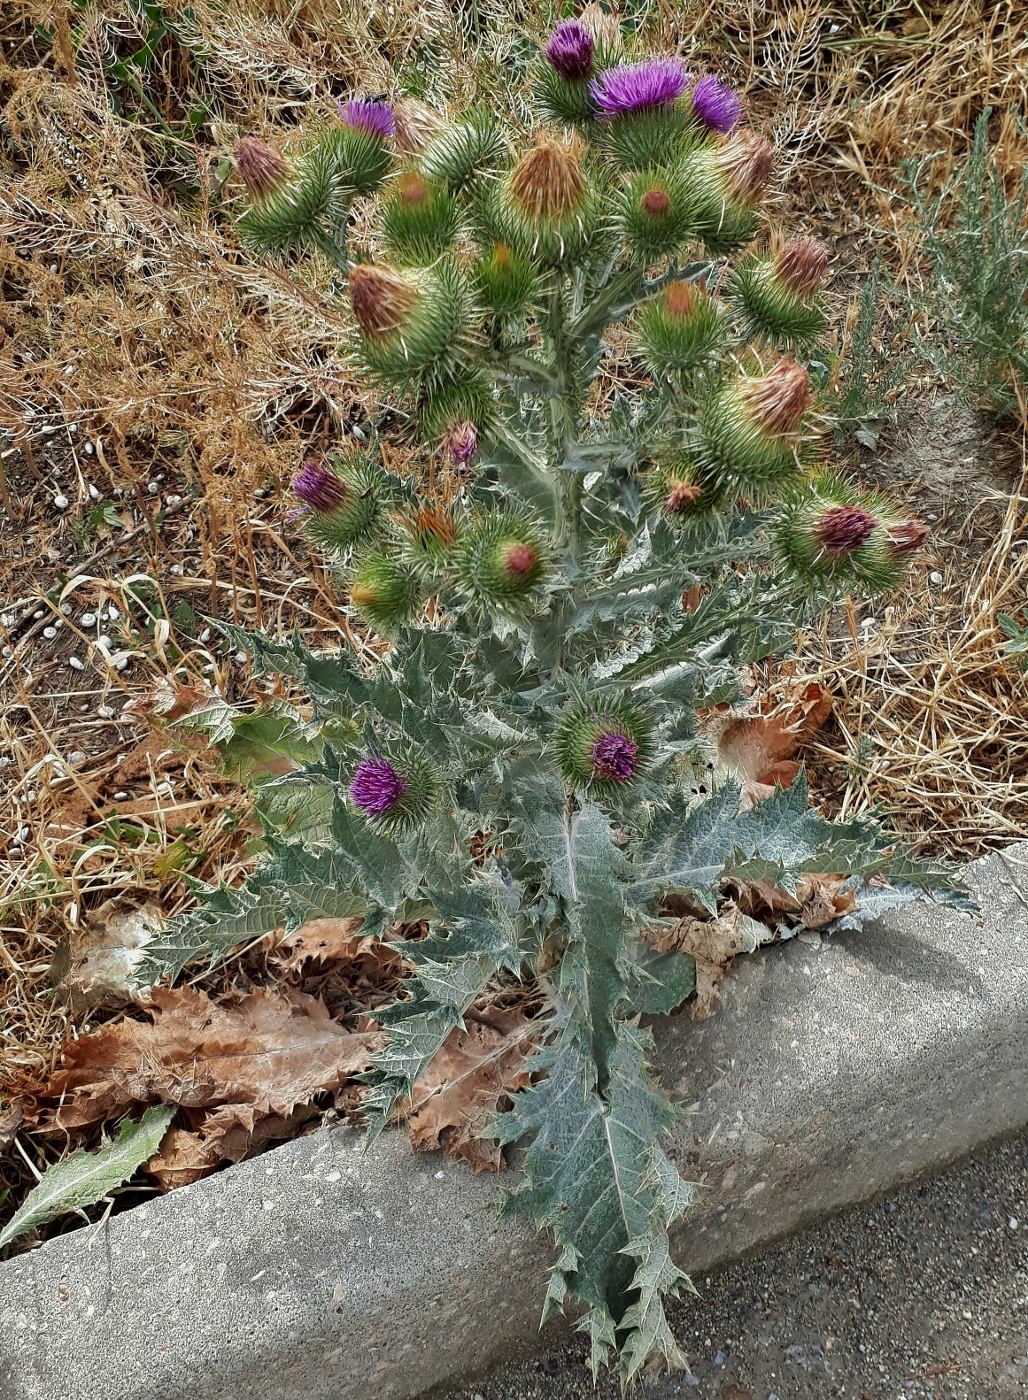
(921, 1296)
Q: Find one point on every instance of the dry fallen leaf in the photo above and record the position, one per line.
(819, 900)
(759, 747)
(323, 940)
(269, 1052)
(712, 944)
(95, 967)
(10, 1121)
(227, 1135)
(457, 1096)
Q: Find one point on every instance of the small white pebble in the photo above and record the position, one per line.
(120, 796)
(6, 651)
(53, 268)
(868, 624)
(88, 449)
(333, 1176)
(240, 655)
(94, 494)
(7, 619)
(49, 633)
(113, 614)
(88, 619)
(38, 612)
(65, 609)
(1013, 1223)
(205, 635)
(75, 663)
(105, 711)
(23, 834)
(152, 488)
(935, 578)
(61, 502)
(121, 663)
(173, 500)
(76, 756)
(104, 642)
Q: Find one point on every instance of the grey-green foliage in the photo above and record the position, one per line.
(520, 771)
(975, 242)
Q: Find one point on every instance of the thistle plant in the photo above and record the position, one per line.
(521, 772)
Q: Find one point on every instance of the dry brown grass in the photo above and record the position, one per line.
(143, 356)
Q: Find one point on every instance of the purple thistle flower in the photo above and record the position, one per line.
(632, 87)
(461, 443)
(843, 529)
(319, 488)
(716, 104)
(570, 50)
(377, 787)
(614, 755)
(376, 118)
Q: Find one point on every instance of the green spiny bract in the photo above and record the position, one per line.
(518, 771)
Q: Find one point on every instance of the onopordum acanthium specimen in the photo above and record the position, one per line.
(522, 770)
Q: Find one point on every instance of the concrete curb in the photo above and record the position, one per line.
(831, 1073)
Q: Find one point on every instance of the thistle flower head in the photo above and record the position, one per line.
(260, 166)
(412, 188)
(520, 559)
(778, 399)
(377, 787)
(547, 182)
(415, 124)
(461, 443)
(680, 299)
(844, 528)
(381, 298)
(681, 495)
(717, 105)
(319, 488)
(907, 536)
(745, 163)
(656, 202)
(376, 118)
(570, 50)
(802, 264)
(504, 560)
(615, 756)
(633, 87)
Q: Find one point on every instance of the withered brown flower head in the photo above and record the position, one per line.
(907, 536)
(681, 495)
(680, 299)
(416, 123)
(380, 297)
(260, 166)
(746, 162)
(802, 264)
(412, 187)
(843, 529)
(547, 181)
(779, 399)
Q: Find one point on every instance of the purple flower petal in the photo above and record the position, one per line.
(319, 488)
(632, 87)
(716, 104)
(377, 787)
(570, 50)
(615, 755)
(374, 117)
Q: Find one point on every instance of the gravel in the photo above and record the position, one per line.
(921, 1296)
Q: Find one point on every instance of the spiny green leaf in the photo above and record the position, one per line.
(87, 1177)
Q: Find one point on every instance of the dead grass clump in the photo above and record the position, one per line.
(932, 719)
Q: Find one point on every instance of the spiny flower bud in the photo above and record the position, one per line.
(456, 409)
(463, 150)
(413, 323)
(677, 490)
(834, 533)
(419, 218)
(260, 166)
(717, 105)
(603, 748)
(376, 118)
(393, 792)
(679, 329)
(429, 540)
(506, 280)
(726, 183)
(503, 561)
(777, 293)
(751, 437)
(633, 87)
(343, 501)
(653, 216)
(570, 50)
(544, 208)
(384, 591)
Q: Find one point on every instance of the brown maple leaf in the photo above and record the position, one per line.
(272, 1053)
(759, 747)
(458, 1094)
